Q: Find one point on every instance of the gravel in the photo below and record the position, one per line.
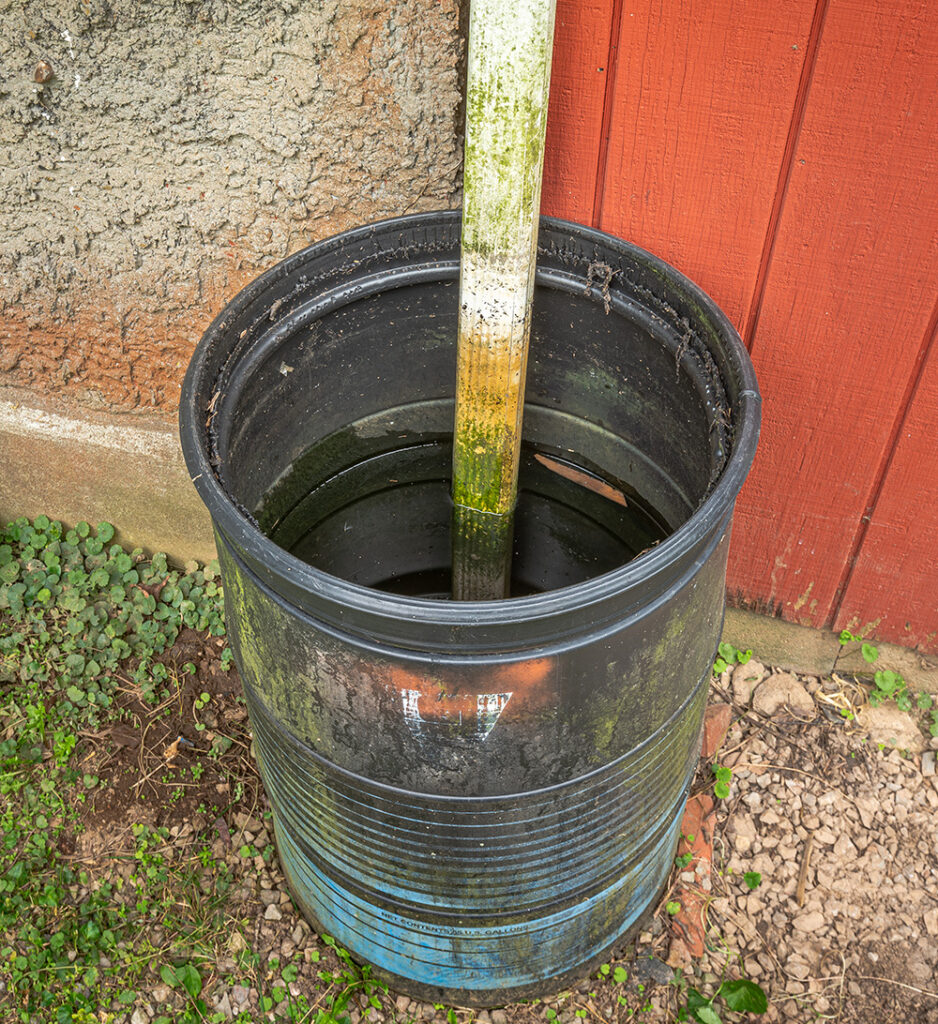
(842, 828)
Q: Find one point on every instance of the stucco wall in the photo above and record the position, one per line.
(180, 147)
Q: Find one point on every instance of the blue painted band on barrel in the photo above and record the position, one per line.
(488, 957)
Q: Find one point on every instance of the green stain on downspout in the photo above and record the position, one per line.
(510, 46)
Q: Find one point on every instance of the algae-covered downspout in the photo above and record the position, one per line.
(510, 46)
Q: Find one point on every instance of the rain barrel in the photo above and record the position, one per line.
(480, 799)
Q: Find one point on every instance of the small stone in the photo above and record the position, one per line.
(919, 970)
(826, 875)
(161, 994)
(754, 801)
(742, 828)
(797, 968)
(272, 913)
(43, 72)
(269, 896)
(753, 968)
(139, 1017)
(931, 921)
(867, 807)
(678, 953)
(888, 725)
(745, 679)
(844, 849)
(928, 763)
(402, 1002)
(499, 1017)
(783, 691)
(650, 968)
(811, 922)
(240, 995)
(223, 1005)
(825, 836)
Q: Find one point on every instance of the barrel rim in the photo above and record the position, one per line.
(243, 534)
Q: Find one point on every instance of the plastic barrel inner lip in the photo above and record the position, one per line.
(549, 628)
(563, 248)
(265, 345)
(243, 365)
(269, 342)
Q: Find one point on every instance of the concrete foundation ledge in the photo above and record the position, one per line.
(74, 464)
(819, 651)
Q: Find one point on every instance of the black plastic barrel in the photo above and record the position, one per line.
(478, 798)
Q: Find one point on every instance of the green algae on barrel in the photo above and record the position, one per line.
(506, 117)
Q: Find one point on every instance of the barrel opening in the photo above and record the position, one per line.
(331, 424)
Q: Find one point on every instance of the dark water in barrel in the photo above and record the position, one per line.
(381, 518)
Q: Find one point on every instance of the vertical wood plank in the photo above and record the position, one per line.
(575, 116)
(893, 588)
(702, 106)
(848, 301)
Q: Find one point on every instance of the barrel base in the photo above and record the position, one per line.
(556, 985)
(303, 882)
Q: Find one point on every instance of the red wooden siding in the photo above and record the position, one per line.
(894, 585)
(579, 72)
(703, 96)
(844, 314)
(785, 158)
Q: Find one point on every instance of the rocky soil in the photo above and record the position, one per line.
(839, 819)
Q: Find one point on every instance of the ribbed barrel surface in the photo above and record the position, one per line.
(478, 798)
(471, 888)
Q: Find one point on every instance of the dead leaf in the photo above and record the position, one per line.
(577, 476)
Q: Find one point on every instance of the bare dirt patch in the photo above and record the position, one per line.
(169, 762)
